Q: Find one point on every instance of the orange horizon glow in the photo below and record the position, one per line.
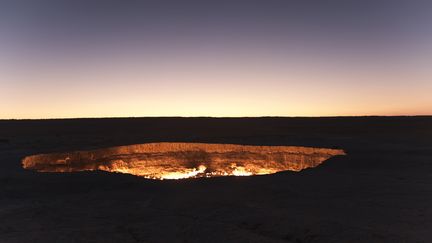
(208, 116)
(199, 111)
(305, 92)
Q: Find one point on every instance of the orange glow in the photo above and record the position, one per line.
(184, 160)
(222, 89)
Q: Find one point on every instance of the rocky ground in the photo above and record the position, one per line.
(380, 192)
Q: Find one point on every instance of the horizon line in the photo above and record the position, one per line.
(211, 117)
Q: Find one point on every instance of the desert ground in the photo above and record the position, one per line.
(381, 191)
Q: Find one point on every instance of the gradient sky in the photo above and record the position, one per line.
(86, 58)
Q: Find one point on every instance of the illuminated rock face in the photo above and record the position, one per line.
(184, 160)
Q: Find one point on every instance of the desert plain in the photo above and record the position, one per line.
(380, 191)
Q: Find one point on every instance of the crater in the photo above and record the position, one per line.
(184, 160)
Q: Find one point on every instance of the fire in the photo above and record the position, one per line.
(183, 173)
(240, 171)
(184, 160)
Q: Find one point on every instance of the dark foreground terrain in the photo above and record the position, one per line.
(380, 192)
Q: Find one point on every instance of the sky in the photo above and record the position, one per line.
(225, 58)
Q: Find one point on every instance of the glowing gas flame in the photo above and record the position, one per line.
(184, 160)
(240, 171)
(183, 175)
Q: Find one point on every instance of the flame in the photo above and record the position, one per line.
(183, 173)
(174, 173)
(240, 171)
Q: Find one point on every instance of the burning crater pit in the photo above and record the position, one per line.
(184, 160)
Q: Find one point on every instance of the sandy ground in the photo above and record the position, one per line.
(380, 192)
